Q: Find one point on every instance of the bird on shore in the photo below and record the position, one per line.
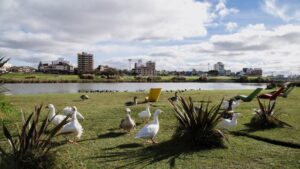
(84, 97)
(69, 110)
(53, 117)
(174, 98)
(227, 123)
(135, 102)
(146, 114)
(127, 124)
(149, 131)
(73, 128)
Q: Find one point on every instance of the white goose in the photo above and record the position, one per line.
(54, 118)
(146, 114)
(227, 123)
(73, 127)
(68, 111)
(149, 131)
(127, 123)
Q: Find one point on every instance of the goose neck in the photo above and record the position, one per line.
(52, 112)
(155, 119)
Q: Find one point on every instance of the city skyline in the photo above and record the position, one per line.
(181, 35)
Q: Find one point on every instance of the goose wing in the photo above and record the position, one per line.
(148, 131)
(80, 116)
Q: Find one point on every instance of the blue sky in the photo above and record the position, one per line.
(177, 34)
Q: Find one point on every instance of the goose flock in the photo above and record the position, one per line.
(149, 131)
(74, 129)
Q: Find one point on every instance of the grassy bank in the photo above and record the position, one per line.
(104, 146)
(61, 78)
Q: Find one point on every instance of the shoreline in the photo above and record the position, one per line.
(127, 81)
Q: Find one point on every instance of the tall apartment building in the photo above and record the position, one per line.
(145, 70)
(85, 62)
(220, 68)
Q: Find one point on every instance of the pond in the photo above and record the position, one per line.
(40, 88)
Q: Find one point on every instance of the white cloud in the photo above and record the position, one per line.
(284, 11)
(231, 26)
(114, 31)
(107, 19)
(223, 11)
(63, 28)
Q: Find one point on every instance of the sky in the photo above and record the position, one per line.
(176, 34)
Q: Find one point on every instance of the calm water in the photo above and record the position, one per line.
(37, 88)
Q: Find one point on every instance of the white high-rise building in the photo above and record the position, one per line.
(220, 68)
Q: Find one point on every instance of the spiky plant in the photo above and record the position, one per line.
(197, 126)
(3, 61)
(266, 116)
(30, 148)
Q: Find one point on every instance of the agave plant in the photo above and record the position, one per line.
(266, 116)
(198, 125)
(3, 62)
(31, 145)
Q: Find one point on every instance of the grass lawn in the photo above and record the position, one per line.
(39, 76)
(104, 146)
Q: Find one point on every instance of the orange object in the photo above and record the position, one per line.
(154, 94)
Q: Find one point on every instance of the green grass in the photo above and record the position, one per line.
(103, 146)
(40, 76)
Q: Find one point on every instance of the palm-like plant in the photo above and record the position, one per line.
(266, 116)
(3, 61)
(31, 146)
(198, 125)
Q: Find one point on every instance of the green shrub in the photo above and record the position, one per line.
(266, 116)
(271, 86)
(153, 78)
(178, 78)
(197, 126)
(87, 76)
(30, 149)
(202, 79)
(140, 78)
(243, 79)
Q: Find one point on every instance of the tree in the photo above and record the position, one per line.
(213, 73)
(110, 72)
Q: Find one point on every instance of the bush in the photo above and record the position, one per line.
(243, 79)
(266, 117)
(30, 77)
(197, 126)
(178, 78)
(271, 86)
(203, 79)
(31, 147)
(140, 78)
(87, 76)
(153, 78)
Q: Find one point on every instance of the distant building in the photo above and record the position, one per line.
(251, 72)
(227, 73)
(85, 63)
(144, 70)
(57, 66)
(220, 68)
(22, 69)
(102, 68)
